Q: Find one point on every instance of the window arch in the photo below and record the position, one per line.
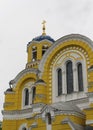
(80, 77)
(44, 48)
(26, 91)
(59, 76)
(34, 53)
(48, 115)
(69, 77)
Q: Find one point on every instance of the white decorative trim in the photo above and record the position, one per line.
(37, 42)
(23, 126)
(48, 126)
(60, 62)
(17, 115)
(90, 95)
(29, 86)
(24, 113)
(22, 74)
(73, 125)
(9, 92)
(82, 103)
(83, 106)
(34, 125)
(40, 110)
(88, 122)
(32, 63)
(62, 40)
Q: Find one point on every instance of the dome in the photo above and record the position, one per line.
(43, 37)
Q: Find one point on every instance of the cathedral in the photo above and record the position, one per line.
(55, 90)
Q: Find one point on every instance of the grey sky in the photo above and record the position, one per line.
(20, 21)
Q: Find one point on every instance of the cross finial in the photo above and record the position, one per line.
(44, 28)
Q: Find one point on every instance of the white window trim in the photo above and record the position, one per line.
(22, 126)
(35, 50)
(76, 94)
(23, 98)
(48, 126)
(30, 97)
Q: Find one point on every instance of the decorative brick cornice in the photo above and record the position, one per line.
(33, 63)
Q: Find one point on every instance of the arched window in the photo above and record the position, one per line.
(44, 48)
(33, 93)
(59, 74)
(26, 96)
(80, 77)
(69, 77)
(34, 53)
(48, 115)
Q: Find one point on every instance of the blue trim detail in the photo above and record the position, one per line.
(40, 38)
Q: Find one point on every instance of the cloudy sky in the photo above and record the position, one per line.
(20, 21)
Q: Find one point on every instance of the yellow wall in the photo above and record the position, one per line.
(56, 124)
(39, 49)
(15, 99)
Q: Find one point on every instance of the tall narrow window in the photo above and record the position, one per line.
(26, 97)
(48, 115)
(33, 93)
(69, 77)
(80, 77)
(59, 73)
(44, 48)
(34, 53)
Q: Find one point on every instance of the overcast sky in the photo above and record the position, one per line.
(20, 21)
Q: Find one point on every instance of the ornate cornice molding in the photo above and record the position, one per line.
(37, 42)
(70, 113)
(77, 37)
(32, 63)
(80, 101)
(17, 114)
(39, 111)
(23, 73)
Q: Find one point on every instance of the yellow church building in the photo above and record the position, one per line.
(55, 90)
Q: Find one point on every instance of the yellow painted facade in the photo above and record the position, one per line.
(33, 100)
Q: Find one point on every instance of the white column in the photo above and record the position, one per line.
(48, 126)
(75, 78)
(30, 96)
(64, 84)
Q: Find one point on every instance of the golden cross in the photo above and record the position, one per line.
(44, 28)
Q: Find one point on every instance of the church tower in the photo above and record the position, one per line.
(55, 90)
